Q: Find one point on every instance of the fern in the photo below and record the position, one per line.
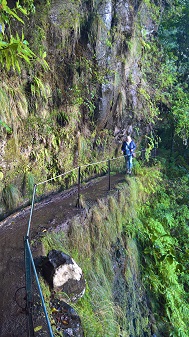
(16, 49)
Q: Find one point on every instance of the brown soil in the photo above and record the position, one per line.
(51, 213)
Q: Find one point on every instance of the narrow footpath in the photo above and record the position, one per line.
(50, 213)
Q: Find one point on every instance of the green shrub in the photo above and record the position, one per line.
(10, 196)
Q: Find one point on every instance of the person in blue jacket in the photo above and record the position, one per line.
(128, 147)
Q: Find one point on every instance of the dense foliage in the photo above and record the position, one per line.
(171, 93)
(13, 48)
(15, 52)
(164, 236)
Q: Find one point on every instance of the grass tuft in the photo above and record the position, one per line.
(10, 196)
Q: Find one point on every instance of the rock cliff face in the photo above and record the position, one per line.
(54, 118)
(103, 53)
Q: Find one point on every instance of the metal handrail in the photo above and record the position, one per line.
(29, 258)
(64, 174)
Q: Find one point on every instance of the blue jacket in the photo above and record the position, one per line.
(128, 149)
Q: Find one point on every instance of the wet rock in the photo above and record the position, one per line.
(63, 274)
(66, 319)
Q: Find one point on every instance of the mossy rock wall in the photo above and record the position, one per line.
(55, 118)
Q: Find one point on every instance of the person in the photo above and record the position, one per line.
(128, 147)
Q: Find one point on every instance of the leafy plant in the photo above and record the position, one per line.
(10, 196)
(161, 259)
(37, 87)
(180, 110)
(28, 184)
(6, 127)
(62, 118)
(14, 48)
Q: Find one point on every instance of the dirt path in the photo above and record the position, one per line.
(51, 212)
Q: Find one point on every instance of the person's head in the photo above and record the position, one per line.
(128, 139)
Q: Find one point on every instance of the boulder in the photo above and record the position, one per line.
(63, 274)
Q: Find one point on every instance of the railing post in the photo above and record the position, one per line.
(155, 153)
(79, 187)
(143, 153)
(28, 279)
(109, 181)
